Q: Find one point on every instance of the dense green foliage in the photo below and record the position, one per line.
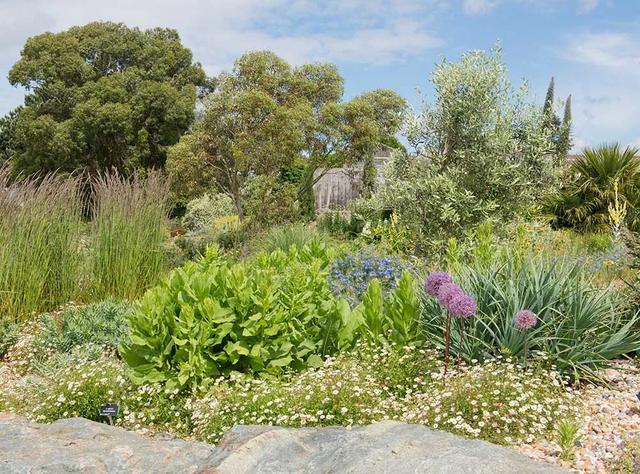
(595, 180)
(264, 115)
(9, 332)
(102, 95)
(272, 312)
(580, 327)
(49, 256)
(103, 324)
(40, 224)
(211, 317)
(201, 213)
(482, 152)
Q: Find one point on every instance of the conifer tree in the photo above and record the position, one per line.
(564, 143)
(548, 101)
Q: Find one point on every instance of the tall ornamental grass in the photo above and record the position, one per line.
(40, 224)
(580, 326)
(129, 232)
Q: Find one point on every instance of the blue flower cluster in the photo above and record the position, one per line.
(350, 276)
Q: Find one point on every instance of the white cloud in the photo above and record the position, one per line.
(606, 73)
(478, 7)
(482, 7)
(619, 51)
(585, 6)
(218, 31)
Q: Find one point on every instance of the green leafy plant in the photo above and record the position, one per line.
(485, 248)
(580, 326)
(568, 436)
(212, 317)
(9, 331)
(103, 324)
(394, 318)
(202, 212)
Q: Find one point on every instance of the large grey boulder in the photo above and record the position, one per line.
(387, 447)
(78, 446)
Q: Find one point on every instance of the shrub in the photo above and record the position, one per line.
(482, 151)
(9, 332)
(69, 337)
(103, 324)
(350, 276)
(580, 327)
(495, 401)
(79, 390)
(129, 230)
(596, 179)
(392, 318)
(283, 237)
(276, 311)
(202, 212)
(269, 201)
(40, 223)
(352, 389)
(211, 317)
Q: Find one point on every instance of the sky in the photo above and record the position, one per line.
(590, 47)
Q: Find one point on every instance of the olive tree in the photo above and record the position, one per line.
(481, 152)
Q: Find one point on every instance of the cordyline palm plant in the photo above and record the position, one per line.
(579, 327)
(584, 202)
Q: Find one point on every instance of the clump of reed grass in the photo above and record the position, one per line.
(129, 231)
(40, 224)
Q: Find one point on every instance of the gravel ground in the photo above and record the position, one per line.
(612, 415)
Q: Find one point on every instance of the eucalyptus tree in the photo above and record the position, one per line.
(265, 115)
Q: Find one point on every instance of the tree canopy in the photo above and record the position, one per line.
(102, 95)
(265, 115)
(482, 152)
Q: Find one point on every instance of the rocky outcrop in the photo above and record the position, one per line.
(388, 447)
(78, 445)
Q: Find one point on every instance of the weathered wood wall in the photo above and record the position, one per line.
(339, 186)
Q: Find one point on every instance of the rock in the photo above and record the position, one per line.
(387, 447)
(78, 445)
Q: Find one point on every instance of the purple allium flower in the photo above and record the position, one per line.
(447, 292)
(525, 319)
(435, 280)
(462, 306)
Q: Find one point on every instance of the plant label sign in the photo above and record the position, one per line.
(109, 409)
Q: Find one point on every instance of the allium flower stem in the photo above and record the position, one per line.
(460, 348)
(447, 340)
(526, 347)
